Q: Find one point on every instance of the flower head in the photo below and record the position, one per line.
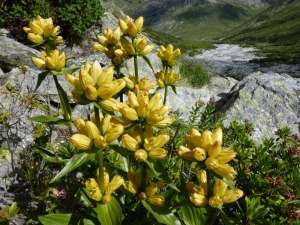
(41, 30)
(53, 61)
(168, 55)
(130, 27)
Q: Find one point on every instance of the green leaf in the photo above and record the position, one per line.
(196, 216)
(76, 161)
(148, 62)
(162, 214)
(110, 213)
(183, 127)
(49, 156)
(64, 71)
(230, 183)
(41, 77)
(13, 209)
(173, 88)
(64, 100)
(55, 219)
(225, 219)
(49, 119)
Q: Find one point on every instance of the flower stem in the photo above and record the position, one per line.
(136, 71)
(166, 87)
(101, 171)
(97, 118)
(144, 176)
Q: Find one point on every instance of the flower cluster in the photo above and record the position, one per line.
(92, 83)
(151, 195)
(168, 55)
(207, 147)
(52, 61)
(89, 134)
(166, 78)
(143, 147)
(199, 193)
(41, 30)
(109, 187)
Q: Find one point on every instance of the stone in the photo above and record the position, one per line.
(268, 100)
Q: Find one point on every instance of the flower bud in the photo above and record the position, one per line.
(215, 201)
(132, 100)
(215, 149)
(157, 153)
(105, 77)
(115, 183)
(139, 22)
(91, 130)
(111, 104)
(130, 187)
(220, 188)
(155, 102)
(91, 93)
(152, 189)
(35, 38)
(186, 154)
(140, 155)
(91, 184)
(231, 196)
(98, 47)
(132, 31)
(157, 200)
(100, 142)
(85, 79)
(226, 171)
(153, 118)
(189, 187)
(96, 194)
(206, 140)
(217, 135)
(39, 63)
(129, 113)
(199, 154)
(147, 50)
(226, 155)
(81, 141)
(142, 196)
(202, 178)
(129, 82)
(114, 133)
(211, 163)
(199, 200)
(130, 143)
(167, 121)
(79, 123)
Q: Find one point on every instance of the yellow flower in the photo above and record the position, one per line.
(166, 79)
(40, 30)
(141, 47)
(81, 141)
(157, 200)
(110, 38)
(140, 155)
(54, 61)
(130, 143)
(91, 130)
(168, 55)
(157, 153)
(231, 196)
(113, 133)
(215, 201)
(220, 188)
(186, 154)
(199, 154)
(114, 184)
(130, 27)
(199, 200)
(202, 178)
(79, 123)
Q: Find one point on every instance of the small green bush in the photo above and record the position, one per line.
(195, 73)
(73, 16)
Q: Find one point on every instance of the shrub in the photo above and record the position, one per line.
(74, 16)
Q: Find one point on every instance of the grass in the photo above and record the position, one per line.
(194, 73)
(186, 46)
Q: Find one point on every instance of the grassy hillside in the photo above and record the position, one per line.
(191, 19)
(276, 31)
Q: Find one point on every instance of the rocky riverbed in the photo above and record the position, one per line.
(233, 61)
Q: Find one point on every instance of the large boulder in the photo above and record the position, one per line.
(268, 100)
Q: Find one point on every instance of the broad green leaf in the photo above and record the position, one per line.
(88, 222)
(49, 119)
(162, 214)
(41, 77)
(83, 197)
(110, 213)
(64, 71)
(122, 151)
(55, 219)
(76, 161)
(196, 216)
(49, 156)
(151, 165)
(64, 100)
(148, 62)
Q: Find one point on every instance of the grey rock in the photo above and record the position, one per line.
(13, 53)
(269, 100)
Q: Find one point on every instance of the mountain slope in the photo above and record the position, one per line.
(193, 19)
(280, 24)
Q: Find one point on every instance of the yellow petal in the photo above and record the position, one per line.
(39, 63)
(81, 141)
